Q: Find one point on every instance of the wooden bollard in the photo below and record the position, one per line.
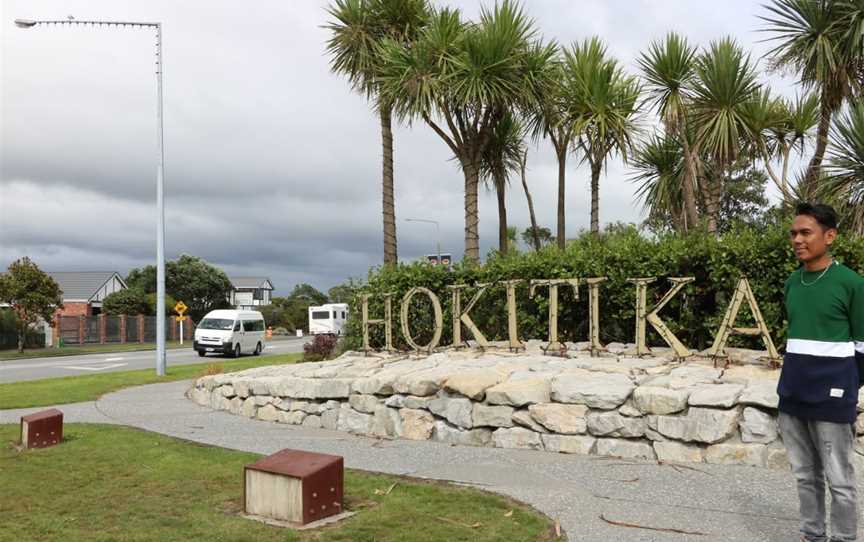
(42, 429)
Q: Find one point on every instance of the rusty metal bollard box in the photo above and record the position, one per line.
(294, 486)
(42, 429)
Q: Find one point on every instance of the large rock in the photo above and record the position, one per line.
(655, 400)
(757, 426)
(330, 419)
(517, 437)
(678, 452)
(227, 390)
(311, 388)
(218, 402)
(295, 417)
(557, 418)
(761, 394)
(249, 407)
(363, 403)
(776, 457)
(386, 422)
(474, 383)
(235, 406)
(455, 410)
(613, 424)
(416, 424)
(199, 396)
(444, 432)
(241, 388)
(312, 421)
(492, 416)
(422, 383)
(518, 393)
(735, 453)
(352, 421)
(706, 425)
(268, 413)
(596, 390)
(716, 395)
(629, 449)
(523, 417)
(568, 444)
(412, 401)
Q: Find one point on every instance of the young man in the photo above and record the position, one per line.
(819, 383)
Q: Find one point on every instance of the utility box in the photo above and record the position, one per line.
(294, 486)
(42, 429)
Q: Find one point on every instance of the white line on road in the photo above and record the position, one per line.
(114, 359)
(111, 366)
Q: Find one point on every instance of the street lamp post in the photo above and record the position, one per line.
(437, 232)
(160, 178)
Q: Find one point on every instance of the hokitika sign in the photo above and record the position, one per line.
(462, 316)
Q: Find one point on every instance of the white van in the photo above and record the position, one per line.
(230, 332)
(328, 319)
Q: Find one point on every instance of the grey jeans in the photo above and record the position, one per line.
(819, 450)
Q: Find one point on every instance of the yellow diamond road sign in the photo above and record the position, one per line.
(180, 308)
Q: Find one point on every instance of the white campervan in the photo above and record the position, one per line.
(230, 332)
(328, 319)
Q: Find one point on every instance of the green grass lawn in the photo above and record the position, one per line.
(75, 389)
(85, 349)
(115, 483)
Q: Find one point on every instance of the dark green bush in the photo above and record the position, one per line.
(763, 255)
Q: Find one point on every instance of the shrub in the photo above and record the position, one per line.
(321, 348)
(694, 315)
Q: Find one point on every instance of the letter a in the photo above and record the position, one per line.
(742, 292)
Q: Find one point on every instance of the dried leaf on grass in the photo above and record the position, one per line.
(508, 514)
(648, 527)
(459, 523)
(386, 491)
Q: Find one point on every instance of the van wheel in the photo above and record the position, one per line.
(258, 349)
(202, 353)
(237, 351)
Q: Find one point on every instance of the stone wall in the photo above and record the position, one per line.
(614, 405)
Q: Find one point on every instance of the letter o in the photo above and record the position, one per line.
(439, 321)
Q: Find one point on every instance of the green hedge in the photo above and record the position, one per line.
(764, 256)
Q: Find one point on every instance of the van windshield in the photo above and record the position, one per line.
(216, 323)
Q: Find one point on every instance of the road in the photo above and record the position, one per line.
(38, 368)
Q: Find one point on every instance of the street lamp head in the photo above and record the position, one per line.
(24, 23)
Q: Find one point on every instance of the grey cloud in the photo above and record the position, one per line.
(272, 163)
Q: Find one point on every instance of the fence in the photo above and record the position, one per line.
(107, 329)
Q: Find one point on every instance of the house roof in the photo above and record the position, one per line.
(251, 282)
(82, 285)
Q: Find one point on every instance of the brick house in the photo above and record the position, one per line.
(84, 291)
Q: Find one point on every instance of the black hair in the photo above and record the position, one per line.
(824, 214)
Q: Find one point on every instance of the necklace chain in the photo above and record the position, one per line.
(822, 274)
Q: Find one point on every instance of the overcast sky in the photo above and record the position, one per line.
(272, 164)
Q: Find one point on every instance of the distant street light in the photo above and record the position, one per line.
(437, 232)
(160, 193)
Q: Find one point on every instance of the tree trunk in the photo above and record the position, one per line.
(388, 200)
(500, 191)
(21, 337)
(715, 192)
(596, 167)
(691, 211)
(813, 169)
(562, 174)
(535, 234)
(472, 237)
